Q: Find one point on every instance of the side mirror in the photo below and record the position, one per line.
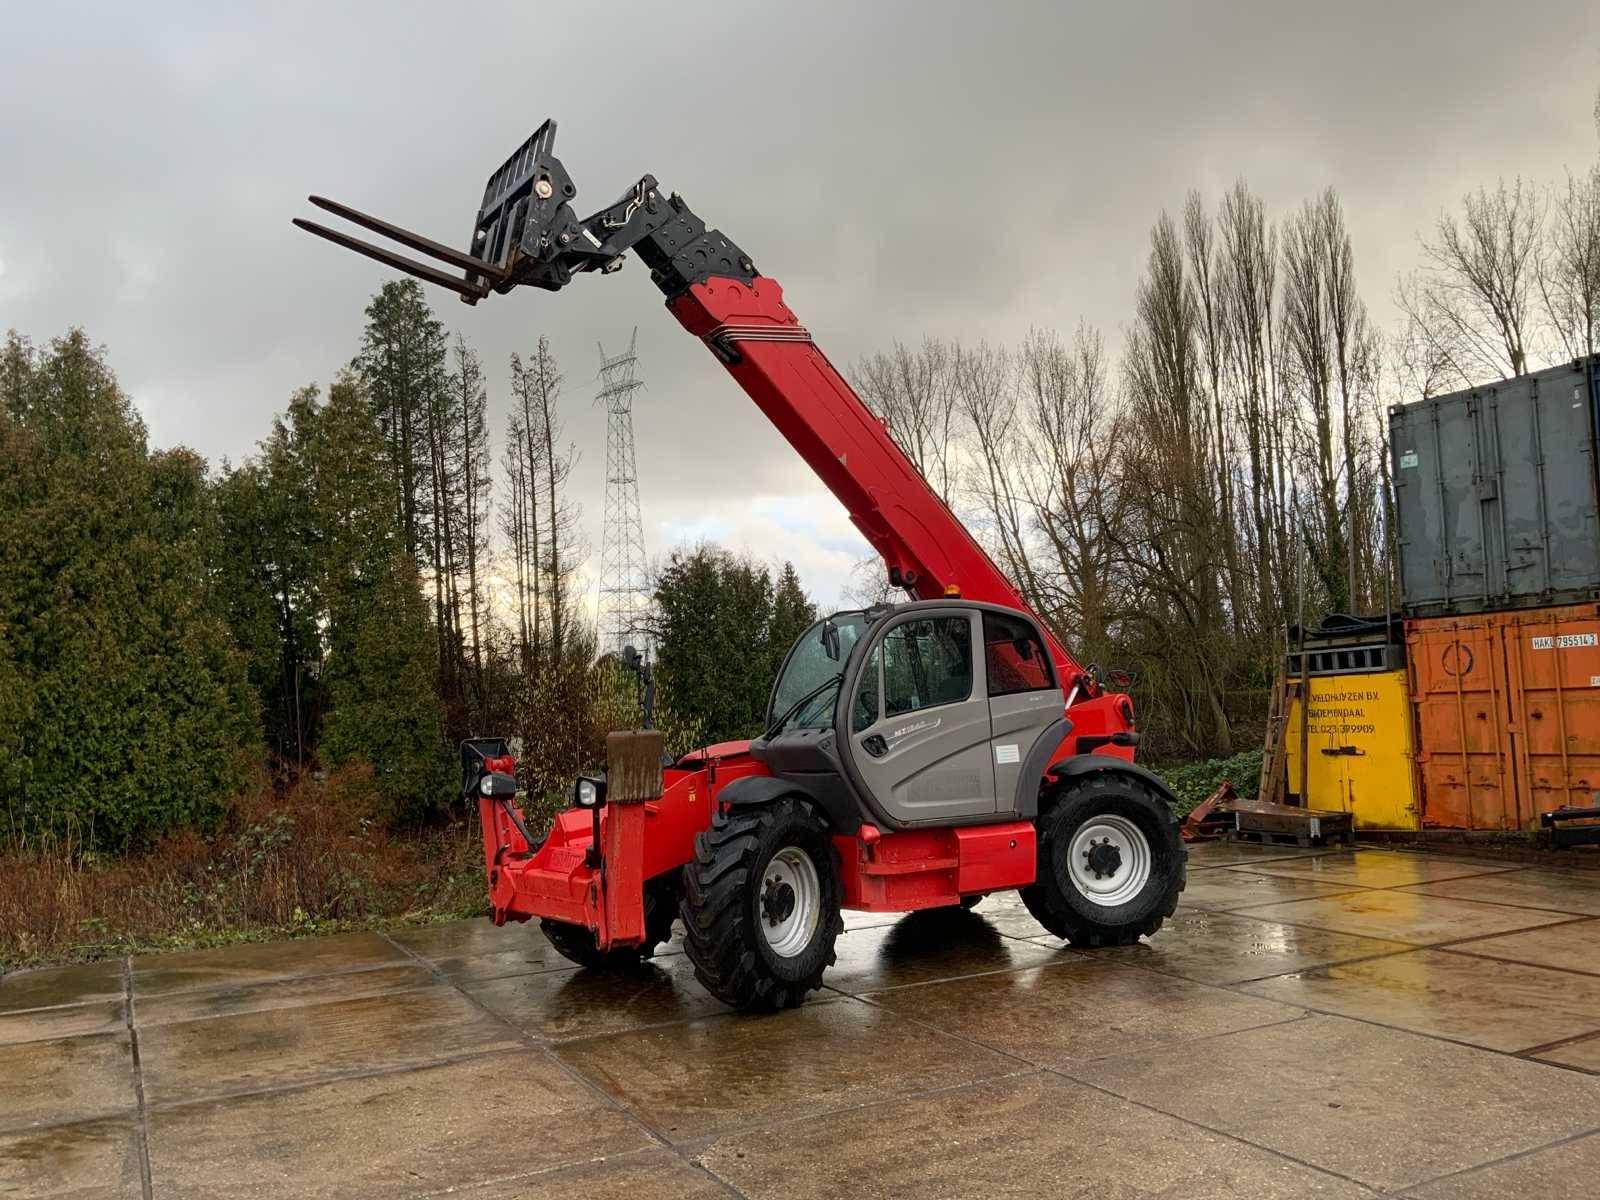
(1122, 679)
(830, 640)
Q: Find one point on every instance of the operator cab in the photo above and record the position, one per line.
(936, 712)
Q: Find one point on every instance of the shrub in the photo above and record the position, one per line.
(1193, 782)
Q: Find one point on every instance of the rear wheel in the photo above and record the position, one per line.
(577, 942)
(761, 905)
(1111, 862)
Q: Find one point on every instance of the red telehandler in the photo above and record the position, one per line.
(915, 755)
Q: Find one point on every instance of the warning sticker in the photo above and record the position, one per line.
(1562, 641)
(1007, 754)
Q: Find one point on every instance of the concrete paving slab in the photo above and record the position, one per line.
(642, 1175)
(1500, 1005)
(1567, 1169)
(76, 984)
(1574, 946)
(1003, 912)
(1223, 948)
(728, 1072)
(397, 1134)
(1388, 1108)
(1054, 1015)
(532, 959)
(583, 1003)
(1017, 1139)
(1405, 916)
(96, 1160)
(1239, 887)
(259, 962)
(469, 938)
(1528, 889)
(1385, 868)
(279, 993)
(69, 1079)
(71, 1020)
(940, 944)
(275, 1048)
(1583, 1055)
(1204, 855)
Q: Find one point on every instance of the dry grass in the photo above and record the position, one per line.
(298, 862)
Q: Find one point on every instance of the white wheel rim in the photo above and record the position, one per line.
(788, 901)
(1109, 860)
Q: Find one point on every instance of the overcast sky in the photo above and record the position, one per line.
(962, 170)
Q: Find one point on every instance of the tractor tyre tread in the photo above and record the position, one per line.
(1044, 898)
(720, 934)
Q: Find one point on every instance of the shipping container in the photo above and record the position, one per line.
(1507, 715)
(1495, 494)
(1358, 740)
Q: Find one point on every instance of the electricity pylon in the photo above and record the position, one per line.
(624, 591)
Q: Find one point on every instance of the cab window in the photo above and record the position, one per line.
(926, 663)
(864, 712)
(1014, 658)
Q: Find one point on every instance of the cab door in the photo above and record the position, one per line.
(1025, 699)
(919, 720)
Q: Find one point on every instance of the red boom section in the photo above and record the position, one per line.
(817, 411)
(923, 543)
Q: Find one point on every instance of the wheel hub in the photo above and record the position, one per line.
(1109, 860)
(1104, 858)
(777, 900)
(788, 903)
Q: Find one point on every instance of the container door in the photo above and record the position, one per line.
(1375, 752)
(1553, 668)
(1457, 672)
(1327, 743)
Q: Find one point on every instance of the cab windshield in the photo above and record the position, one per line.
(812, 673)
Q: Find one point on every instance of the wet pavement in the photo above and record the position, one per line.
(1337, 1024)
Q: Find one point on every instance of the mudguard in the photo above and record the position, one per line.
(1090, 764)
(752, 790)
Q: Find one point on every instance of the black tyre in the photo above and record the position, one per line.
(761, 905)
(1111, 862)
(576, 942)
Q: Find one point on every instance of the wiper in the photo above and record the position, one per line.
(777, 726)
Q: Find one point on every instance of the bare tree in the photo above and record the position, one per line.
(1473, 297)
(469, 453)
(914, 392)
(1569, 271)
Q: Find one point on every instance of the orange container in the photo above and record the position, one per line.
(1507, 709)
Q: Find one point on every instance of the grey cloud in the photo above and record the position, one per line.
(957, 169)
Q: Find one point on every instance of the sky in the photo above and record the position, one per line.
(903, 169)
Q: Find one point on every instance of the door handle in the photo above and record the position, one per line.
(874, 745)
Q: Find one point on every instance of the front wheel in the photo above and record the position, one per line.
(761, 905)
(1111, 862)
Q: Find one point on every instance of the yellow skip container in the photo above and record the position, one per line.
(1359, 750)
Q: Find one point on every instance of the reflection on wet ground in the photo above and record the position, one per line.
(1296, 1030)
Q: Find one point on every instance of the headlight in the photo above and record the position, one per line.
(589, 793)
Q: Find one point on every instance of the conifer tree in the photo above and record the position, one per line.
(126, 706)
